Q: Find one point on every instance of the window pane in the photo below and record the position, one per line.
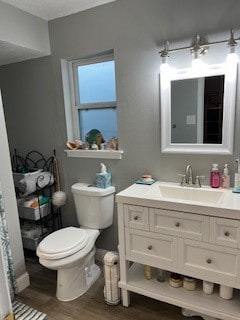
(97, 82)
(105, 120)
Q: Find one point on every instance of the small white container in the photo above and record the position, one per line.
(208, 287)
(226, 292)
(175, 280)
(189, 283)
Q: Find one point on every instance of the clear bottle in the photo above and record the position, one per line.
(225, 178)
(161, 275)
(215, 176)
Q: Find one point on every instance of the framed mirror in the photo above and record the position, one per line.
(198, 108)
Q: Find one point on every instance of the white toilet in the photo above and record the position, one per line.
(71, 250)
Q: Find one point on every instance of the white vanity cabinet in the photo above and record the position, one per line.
(202, 246)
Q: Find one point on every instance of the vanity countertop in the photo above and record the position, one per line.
(168, 195)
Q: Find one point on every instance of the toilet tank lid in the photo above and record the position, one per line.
(90, 190)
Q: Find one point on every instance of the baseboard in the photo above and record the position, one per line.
(23, 281)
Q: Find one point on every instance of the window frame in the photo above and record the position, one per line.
(74, 92)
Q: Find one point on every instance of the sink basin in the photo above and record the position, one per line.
(187, 193)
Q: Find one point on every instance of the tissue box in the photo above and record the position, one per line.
(103, 180)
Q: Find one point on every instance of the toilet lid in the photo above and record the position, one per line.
(62, 243)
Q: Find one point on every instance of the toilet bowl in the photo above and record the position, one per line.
(71, 250)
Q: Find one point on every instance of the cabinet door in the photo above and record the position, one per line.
(225, 232)
(181, 224)
(209, 262)
(151, 249)
(136, 217)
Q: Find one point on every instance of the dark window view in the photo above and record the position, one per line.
(213, 109)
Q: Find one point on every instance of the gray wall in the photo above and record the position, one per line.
(23, 33)
(134, 29)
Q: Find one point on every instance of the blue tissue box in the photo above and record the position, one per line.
(103, 180)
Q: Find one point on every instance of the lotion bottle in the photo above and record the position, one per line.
(215, 176)
(225, 178)
(236, 188)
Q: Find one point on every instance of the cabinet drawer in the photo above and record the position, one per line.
(186, 225)
(225, 232)
(149, 248)
(136, 217)
(209, 261)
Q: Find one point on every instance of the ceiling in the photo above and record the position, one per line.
(47, 10)
(52, 9)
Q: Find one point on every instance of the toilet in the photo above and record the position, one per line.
(71, 250)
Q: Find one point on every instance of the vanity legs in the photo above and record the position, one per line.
(190, 313)
(125, 297)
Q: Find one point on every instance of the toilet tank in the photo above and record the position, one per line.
(94, 206)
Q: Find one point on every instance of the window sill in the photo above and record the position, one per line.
(97, 154)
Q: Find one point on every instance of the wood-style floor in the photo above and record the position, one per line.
(41, 296)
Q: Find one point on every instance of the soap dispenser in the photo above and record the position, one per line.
(215, 176)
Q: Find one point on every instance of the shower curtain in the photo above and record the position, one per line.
(4, 242)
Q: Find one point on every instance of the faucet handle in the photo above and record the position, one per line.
(184, 179)
(198, 181)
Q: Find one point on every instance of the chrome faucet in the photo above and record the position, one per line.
(188, 178)
(189, 175)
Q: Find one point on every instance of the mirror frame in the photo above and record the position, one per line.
(167, 74)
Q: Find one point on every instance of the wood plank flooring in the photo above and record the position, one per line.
(41, 295)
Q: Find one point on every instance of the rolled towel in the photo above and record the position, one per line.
(26, 185)
(44, 178)
(30, 183)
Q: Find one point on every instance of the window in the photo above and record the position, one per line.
(94, 97)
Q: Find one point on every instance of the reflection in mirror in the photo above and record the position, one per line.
(197, 110)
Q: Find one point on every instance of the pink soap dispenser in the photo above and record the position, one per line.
(215, 176)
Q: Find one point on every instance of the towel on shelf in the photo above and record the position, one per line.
(30, 183)
(44, 178)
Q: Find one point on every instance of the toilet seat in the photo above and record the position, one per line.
(71, 260)
(63, 243)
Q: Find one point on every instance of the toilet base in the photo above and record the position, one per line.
(74, 282)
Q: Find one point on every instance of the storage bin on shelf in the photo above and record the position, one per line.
(32, 235)
(32, 213)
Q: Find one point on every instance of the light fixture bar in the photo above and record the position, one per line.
(201, 45)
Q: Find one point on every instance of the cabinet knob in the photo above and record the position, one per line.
(150, 247)
(135, 218)
(209, 261)
(177, 224)
(227, 233)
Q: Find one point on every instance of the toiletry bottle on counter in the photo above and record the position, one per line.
(225, 178)
(215, 176)
(237, 178)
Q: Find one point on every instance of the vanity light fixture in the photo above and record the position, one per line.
(199, 47)
(232, 56)
(165, 52)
